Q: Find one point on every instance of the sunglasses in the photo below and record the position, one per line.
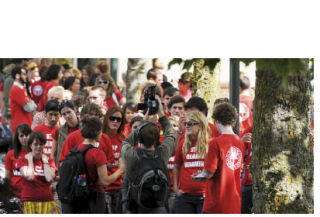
(103, 82)
(190, 123)
(112, 118)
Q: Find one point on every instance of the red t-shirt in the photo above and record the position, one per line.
(116, 147)
(18, 98)
(94, 158)
(38, 189)
(44, 99)
(190, 163)
(11, 164)
(214, 130)
(37, 90)
(74, 139)
(126, 130)
(48, 133)
(110, 101)
(247, 178)
(245, 114)
(224, 160)
(170, 169)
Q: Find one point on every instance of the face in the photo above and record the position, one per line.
(23, 139)
(69, 115)
(95, 97)
(37, 148)
(53, 118)
(55, 96)
(177, 109)
(135, 125)
(60, 74)
(129, 115)
(159, 79)
(175, 125)
(103, 83)
(166, 99)
(115, 123)
(23, 75)
(192, 127)
(75, 88)
(85, 76)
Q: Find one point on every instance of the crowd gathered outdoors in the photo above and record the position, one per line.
(48, 109)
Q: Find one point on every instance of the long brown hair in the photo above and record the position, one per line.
(110, 112)
(111, 87)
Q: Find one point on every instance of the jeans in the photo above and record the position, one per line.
(246, 201)
(113, 201)
(187, 203)
(160, 210)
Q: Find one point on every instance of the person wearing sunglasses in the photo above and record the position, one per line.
(113, 95)
(189, 159)
(113, 125)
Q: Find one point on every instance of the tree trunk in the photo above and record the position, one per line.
(136, 76)
(282, 156)
(206, 83)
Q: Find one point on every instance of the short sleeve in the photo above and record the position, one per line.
(212, 159)
(8, 162)
(118, 94)
(100, 158)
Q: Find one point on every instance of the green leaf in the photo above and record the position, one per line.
(174, 61)
(211, 63)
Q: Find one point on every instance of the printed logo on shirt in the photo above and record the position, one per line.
(38, 171)
(233, 158)
(243, 112)
(171, 163)
(37, 90)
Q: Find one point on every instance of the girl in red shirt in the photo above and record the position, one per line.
(113, 125)
(20, 149)
(189, 160)
(129, 110)
(38, 172)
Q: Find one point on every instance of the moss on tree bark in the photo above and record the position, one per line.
(282, 156)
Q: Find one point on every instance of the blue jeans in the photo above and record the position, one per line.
(187, 203)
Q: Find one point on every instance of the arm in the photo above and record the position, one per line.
(28, 171)
(103, 174)
(47, 170)
(175, 179)
(7, 174)
(30, 106)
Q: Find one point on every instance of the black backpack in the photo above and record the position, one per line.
(72, 186)
(151, 186)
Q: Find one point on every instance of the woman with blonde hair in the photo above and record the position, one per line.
(113, 94)
(189, 160)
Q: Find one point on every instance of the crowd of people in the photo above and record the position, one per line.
(53, 108)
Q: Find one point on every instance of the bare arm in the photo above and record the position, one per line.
(28, 171)
(7, 174)
(103, 174)
(175, 179)
(48, 171)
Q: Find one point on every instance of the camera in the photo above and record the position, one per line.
(150, 101)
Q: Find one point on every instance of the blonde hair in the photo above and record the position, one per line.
(56, 89)
(203, 137)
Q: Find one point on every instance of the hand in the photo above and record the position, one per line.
(178, 192)
(160, 110)
(182, 120)
(45, 159)
(29, 156)
(246, 138)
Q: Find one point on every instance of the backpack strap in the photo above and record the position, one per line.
(86, 148)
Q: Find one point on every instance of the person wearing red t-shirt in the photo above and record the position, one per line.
(168, 93)
(113, 125)
(20, 149)
(38, 172)
(97, 95)
(53, 77)
(52, 116)
(189, 160)
(129, 111)
(113, 95)
(97, 175)
(21, 105)
(223, 165)
(37, 87)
